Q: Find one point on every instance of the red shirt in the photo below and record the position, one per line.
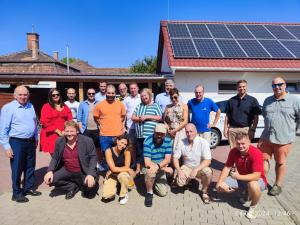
(250, 163)
(70, 159)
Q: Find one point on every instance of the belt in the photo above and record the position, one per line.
(32, 139)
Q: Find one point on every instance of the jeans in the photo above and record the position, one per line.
(22, 161)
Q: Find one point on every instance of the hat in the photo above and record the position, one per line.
(160, 128)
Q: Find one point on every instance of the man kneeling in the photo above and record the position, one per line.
(248, 175)
(73, 164)
(157, 156)
(196, 155)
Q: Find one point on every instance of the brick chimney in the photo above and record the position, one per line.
(55, 55)
(33, 37)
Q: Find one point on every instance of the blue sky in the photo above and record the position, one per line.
(115, 33)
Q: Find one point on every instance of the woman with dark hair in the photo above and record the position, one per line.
(176, 117)
(53, 116)
(118, 158)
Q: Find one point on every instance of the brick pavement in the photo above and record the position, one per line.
(177, 208)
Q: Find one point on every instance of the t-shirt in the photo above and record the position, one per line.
(74, 108)
(250, 163)
(110, 117)
(146, 128)
(201, 112)
(130, 104)
(157, 153)
(192, 157)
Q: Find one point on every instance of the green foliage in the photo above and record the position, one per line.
(146, 65)
(71, 60)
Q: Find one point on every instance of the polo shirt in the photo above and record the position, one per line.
(201, 113)
(157, 153)
(192, 155)
(280, 117)
(250, 163)
(146, 128)
(241, 112)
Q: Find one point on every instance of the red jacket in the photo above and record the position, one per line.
(52, 119)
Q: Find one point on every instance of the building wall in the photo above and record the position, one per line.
(259, 83)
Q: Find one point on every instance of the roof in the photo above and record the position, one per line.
(221, 64)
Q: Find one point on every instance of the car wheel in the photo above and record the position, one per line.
(215, 138)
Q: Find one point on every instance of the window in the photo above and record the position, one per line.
(293, 87)
(227, 87)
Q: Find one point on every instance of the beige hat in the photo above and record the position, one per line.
(160, 128)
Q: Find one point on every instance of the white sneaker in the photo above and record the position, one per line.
(252, 212)
(124, 200)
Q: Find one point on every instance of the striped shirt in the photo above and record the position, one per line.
(146, 128)
(157, 153)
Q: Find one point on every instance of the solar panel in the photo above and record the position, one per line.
(293, 46)
(240, 32)
(279, 32)
(184, 48)
(295, 30)
(230, 49)
(219, 31)
(207, 48)
(178, 30)
(253, 49)
(275, 49)
(199, 31)
(260, 32)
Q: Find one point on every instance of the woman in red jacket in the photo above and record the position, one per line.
(53, 116)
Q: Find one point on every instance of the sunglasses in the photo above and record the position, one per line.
(277, 85)
(91, 93)
(174, 97)
(54, 95)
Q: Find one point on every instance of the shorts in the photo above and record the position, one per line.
(106, 142)
(94, 134)
(243, 185)
(161, 184)
(206, 171)
(280, 151)
(206, 136)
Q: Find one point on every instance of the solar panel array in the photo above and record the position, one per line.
(208, 40)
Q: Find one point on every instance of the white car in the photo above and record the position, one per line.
(217, 131)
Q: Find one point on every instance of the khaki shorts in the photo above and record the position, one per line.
(206, 171)
(280, 152)
(206, 136)
(161, 184)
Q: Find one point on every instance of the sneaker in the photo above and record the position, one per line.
(148, 200)
(275, 190)
(252, 212)
(124, 200)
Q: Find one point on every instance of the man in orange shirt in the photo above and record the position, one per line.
(110, 116)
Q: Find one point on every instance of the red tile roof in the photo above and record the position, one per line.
(221, 64)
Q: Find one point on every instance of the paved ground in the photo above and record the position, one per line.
(179, 207)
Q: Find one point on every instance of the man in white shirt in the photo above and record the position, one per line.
(196, 156)
(72, 103)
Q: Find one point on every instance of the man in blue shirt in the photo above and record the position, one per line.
(18, 135)
(101, 95)
(201, 107)
(157, 156)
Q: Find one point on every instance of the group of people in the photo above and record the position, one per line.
(135, 135)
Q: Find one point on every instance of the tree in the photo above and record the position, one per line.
(146, 65)
(71, 60)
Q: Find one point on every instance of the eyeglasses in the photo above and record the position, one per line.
(54, 95)
(174, 97)
(277, 85)
(91, 93)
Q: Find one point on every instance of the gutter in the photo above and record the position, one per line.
(183, 68)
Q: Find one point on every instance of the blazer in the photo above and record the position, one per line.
(86, 154)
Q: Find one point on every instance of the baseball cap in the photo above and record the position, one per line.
(160, 128)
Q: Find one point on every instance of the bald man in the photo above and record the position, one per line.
(281, 112)
(18, 136)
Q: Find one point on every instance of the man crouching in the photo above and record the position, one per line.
(73, 164)
(248, 175)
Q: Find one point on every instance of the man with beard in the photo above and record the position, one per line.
(157, 156)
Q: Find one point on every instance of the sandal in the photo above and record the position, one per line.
(205, 198)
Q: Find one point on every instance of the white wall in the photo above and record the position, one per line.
(259, 83)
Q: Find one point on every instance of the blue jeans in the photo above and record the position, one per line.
(22, 161)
